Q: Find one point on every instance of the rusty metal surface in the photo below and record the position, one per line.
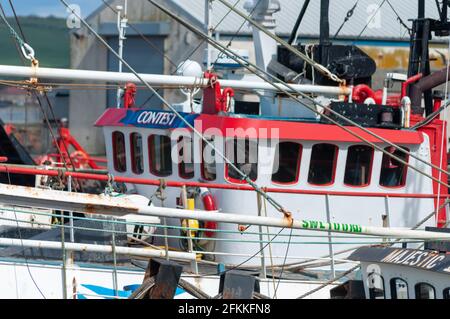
(166, 274)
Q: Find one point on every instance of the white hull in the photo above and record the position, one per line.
(87, 281)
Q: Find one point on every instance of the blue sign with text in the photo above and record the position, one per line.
(157, 119)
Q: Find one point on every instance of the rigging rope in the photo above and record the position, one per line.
(244, 176)
(27, 50)
(146, 39)
(399, 19)
(237, 32)
(265, 76)
(202, 41)
(347, 17)
(370, 20)
(356, 267)
(444, 142)
(319, 67)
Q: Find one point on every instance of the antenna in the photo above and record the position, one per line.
(208, 31)
(121, 27)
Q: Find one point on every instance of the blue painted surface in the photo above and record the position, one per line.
(105, 292)
(157, 119)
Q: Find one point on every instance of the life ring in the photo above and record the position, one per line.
(208, 204)
(203, 195)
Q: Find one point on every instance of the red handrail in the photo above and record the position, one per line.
(143, 181)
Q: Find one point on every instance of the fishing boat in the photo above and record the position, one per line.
(287, 197)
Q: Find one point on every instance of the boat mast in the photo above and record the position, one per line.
(324, 30)
(121, 27)
(208, 31)
(262, 12)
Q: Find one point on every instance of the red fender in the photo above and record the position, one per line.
(361, 93)
(209, 204)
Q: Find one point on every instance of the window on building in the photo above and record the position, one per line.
(399, 289)
(358, 168)
(208, 161)
(119, 156)
(243, 153)
(137, 155)
(376, 286)
(287, 163)
(323, 164)
(446, 293)
(186, 162)
(160, 155)
(425, 291)
(393, 173)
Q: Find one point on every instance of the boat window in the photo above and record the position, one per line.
(399, 289)
(424, 291)
(359, 165)
(208, 161)
(446, 293)
(137, 156)
(159, 155)
(323, 164)
(186, 162)
(393, 173)
(119, 156)
(243, 153)
(288, 166)
(376, 286)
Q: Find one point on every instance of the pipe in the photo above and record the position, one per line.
(138, 252)
(426, 83)
(156, 79)
(409, 81)
(107, 205)
(324, 24)
(297, 23)
(14, 169)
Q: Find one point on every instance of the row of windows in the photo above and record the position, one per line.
(399, 289)
(243, 154)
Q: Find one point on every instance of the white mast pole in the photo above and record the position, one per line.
(208, 31)
(121, 26)
(141, 252)
(157, 79)
(116, 206)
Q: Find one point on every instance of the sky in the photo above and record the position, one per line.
(45, 8)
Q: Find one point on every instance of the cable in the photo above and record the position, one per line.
(370, 20)
(147, 40)
(237, 32)
(356, 267)
(17, 21)
(329, 282)
(18, 41)
(283, 265)
(13, 32)
(347, 17)
(443, 143)
(202, 41)
(23, 247)
(265, 76)
(50, 106)
(244, 176)
(47, 121)
(250, 258)
(319, 67)
(400, 20)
